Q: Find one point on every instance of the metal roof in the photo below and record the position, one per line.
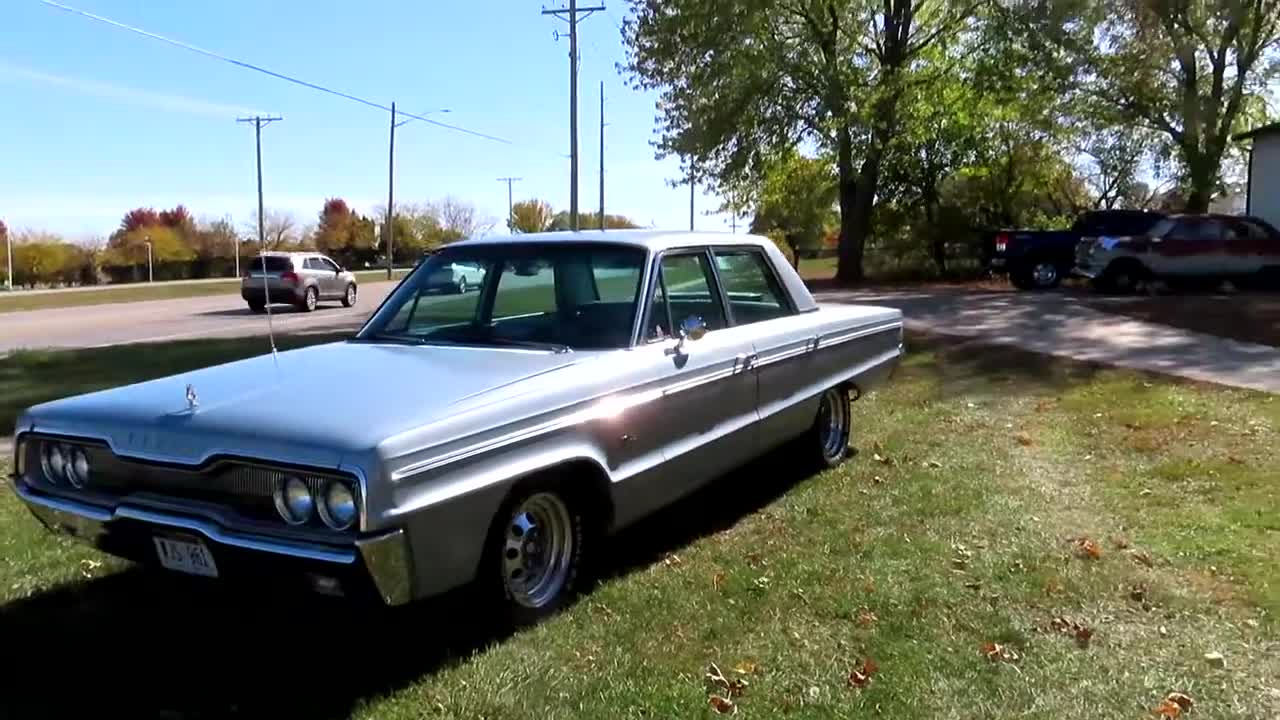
(1263, 130)
(651, 239)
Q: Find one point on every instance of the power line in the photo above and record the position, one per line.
(265, 71)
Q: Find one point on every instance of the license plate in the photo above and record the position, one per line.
(997, 262)
(187, 556)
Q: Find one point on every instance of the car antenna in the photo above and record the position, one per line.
(266, 297)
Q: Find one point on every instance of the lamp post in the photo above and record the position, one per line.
(150, 276)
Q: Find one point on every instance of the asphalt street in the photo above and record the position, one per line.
(175, 319)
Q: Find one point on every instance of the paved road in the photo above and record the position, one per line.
(1061, 324)
(175, 319)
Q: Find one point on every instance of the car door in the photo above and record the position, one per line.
(704, 391)
(1256, 246)
(331, 276)
(1194, 246)
(781, 347)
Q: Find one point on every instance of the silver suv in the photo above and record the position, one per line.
(300, 279)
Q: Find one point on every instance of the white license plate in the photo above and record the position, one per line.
(188, 556)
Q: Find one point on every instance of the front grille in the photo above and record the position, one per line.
(245, 488)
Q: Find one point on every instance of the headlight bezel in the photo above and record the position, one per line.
(282, 500)
(325, 511)
(64, 463)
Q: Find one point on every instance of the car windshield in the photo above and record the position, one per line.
(552, 296)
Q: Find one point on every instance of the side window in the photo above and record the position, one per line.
(309, 264)
(753, 289)
(1211, 231)
(1185, 231)
(525, 287)
(690, 292)
(1255, 231)
(327, 264)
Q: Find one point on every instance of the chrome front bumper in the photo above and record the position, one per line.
(385, 556)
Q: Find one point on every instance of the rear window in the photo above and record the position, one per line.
(275, 263)
(1117, 223)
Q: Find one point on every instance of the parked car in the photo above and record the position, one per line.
(457, 277)
(299, 279)
(491, 437)
(1040, 259)
(1185, 251)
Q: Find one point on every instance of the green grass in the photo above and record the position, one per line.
(818, 268)
(957, 524)
(136, 292)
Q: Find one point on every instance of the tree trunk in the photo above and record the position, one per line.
(793, 245)
(849, 252)
(1202, 174)
(937, 239)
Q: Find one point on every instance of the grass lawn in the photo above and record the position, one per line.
(1017, 537)
(18, 301)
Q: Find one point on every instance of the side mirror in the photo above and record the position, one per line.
(692, 328)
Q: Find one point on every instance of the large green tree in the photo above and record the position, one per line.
(796, 202)
(1192, 71)
(740, 81)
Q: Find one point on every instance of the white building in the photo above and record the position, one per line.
(1262, 193)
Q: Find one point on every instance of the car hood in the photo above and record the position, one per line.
(317, 403)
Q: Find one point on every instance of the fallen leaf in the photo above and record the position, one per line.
(866, 617)
(746, 667)
(1143, 557)
(1167, 710)
(1024, 439)
(860, 677)
(1183, 701)
(1083, 634)
(88, 566)
(1086, 547)
(1121, 542)
(725, 706)
(1234, 460)
(717, 581)
(996, 652)
(1138, 593)
(672, 560)
(882, 459)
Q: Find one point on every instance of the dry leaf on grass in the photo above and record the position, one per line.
(1120, 542)
(717, 581)
(1081, 632)
(1182, 700)
(866, 617)
(724, 706)
(1142, 557)
(1024, 439)
(1167, 710)
(746, 667)
(996, 652)
(1086, 547)
(88, 566)
(716, 679)
(860, 677)
(672, 560)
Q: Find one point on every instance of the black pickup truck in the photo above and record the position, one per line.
(1039, 259)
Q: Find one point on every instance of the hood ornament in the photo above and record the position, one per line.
(193, 401)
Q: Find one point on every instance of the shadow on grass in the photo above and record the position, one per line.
(141, 643)
(964, 367)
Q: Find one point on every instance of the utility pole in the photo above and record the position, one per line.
(260, 122)
(601, 156)
(8, 239)
(511, 214)
(391, 184)
(573, 20)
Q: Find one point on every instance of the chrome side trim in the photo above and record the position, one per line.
(90, 521)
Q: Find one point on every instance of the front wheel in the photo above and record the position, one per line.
(828, 440)
(462, 286)
(534, 553)
(349, 298)
(1122, 278)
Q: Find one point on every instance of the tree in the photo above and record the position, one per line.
(1192, 72)
(280, 228)
(797, 202)
(743, 82)
(4, 249)
(530, 216)
(460, 219)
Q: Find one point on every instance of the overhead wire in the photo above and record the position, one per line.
(258, 68)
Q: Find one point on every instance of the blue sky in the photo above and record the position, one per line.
(98, 120)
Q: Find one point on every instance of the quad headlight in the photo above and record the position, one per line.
(63, 462)
(338, 507)
(294, 501)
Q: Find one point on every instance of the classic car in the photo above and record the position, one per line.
(491, 437)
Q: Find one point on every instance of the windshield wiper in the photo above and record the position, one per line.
(393, 338)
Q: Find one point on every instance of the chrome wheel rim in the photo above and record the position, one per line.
(351, 294)
(537, 550)
(833, 424)
(311, 299)
(1044, 274)
(462, 285)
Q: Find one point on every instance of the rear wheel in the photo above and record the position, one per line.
(309, 299)
(462, 285)
(827, 442)
(534, 552)
(349, 297)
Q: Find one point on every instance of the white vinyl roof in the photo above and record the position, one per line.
(652, 239)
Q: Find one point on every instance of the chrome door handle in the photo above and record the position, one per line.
(744, 361)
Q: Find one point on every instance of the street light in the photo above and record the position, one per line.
(391, 178)
(150, 276)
